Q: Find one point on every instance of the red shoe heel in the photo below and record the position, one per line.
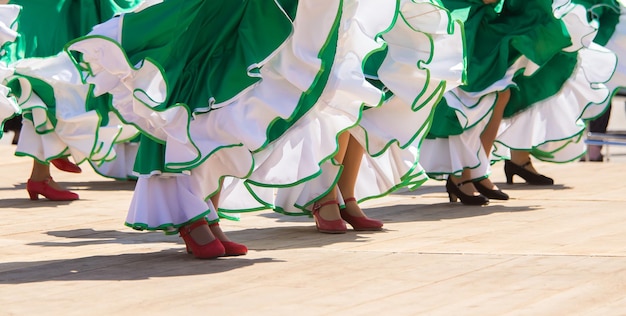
(66, 165)
(211, 250)
(34, 196)
(360, 223)
(35, 188)
(337, 226)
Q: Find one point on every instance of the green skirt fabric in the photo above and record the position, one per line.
(47, 25)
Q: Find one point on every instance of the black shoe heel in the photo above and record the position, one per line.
(511, 169)
(509, 174)
(452, 197)
(455, 192)
(489, 193)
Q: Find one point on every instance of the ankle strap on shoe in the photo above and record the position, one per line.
(317, 206)
(46, 180)
(350, 199)
(185, 230)
(460, 184)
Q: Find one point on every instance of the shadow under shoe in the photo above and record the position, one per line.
(511, 169)
(36, 188)
(454, 193)
(490, 193)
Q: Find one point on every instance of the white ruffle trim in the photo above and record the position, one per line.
(8, 105)
(8, 27)
(122, 166)
(165, 203)
(441, 157)
(617, 44)
(77, 131)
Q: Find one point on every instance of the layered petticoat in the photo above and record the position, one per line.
(552, 129)
(414, 52)
(62, 117)
(8, 34)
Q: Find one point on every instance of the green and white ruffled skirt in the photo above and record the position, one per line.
(279, 83)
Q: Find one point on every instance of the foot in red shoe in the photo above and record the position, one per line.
(360, 223)
(210, 250)
(231, 248)
(35, 188)
(336, 226)
(66, 165)
(234, 249)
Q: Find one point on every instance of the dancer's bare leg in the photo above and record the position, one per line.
(331, 212)
(216, 229)
(347, 181)
(41, 172)
(491, 131)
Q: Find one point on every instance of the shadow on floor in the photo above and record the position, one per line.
(124, 267)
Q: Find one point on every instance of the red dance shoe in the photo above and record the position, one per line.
(35, 188)
(211, 250)
(66, 165)
(360, 223)
(232, 248)
(336, 226)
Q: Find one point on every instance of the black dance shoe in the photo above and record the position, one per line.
(511, 169)
(454, 193)
(489, 193)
